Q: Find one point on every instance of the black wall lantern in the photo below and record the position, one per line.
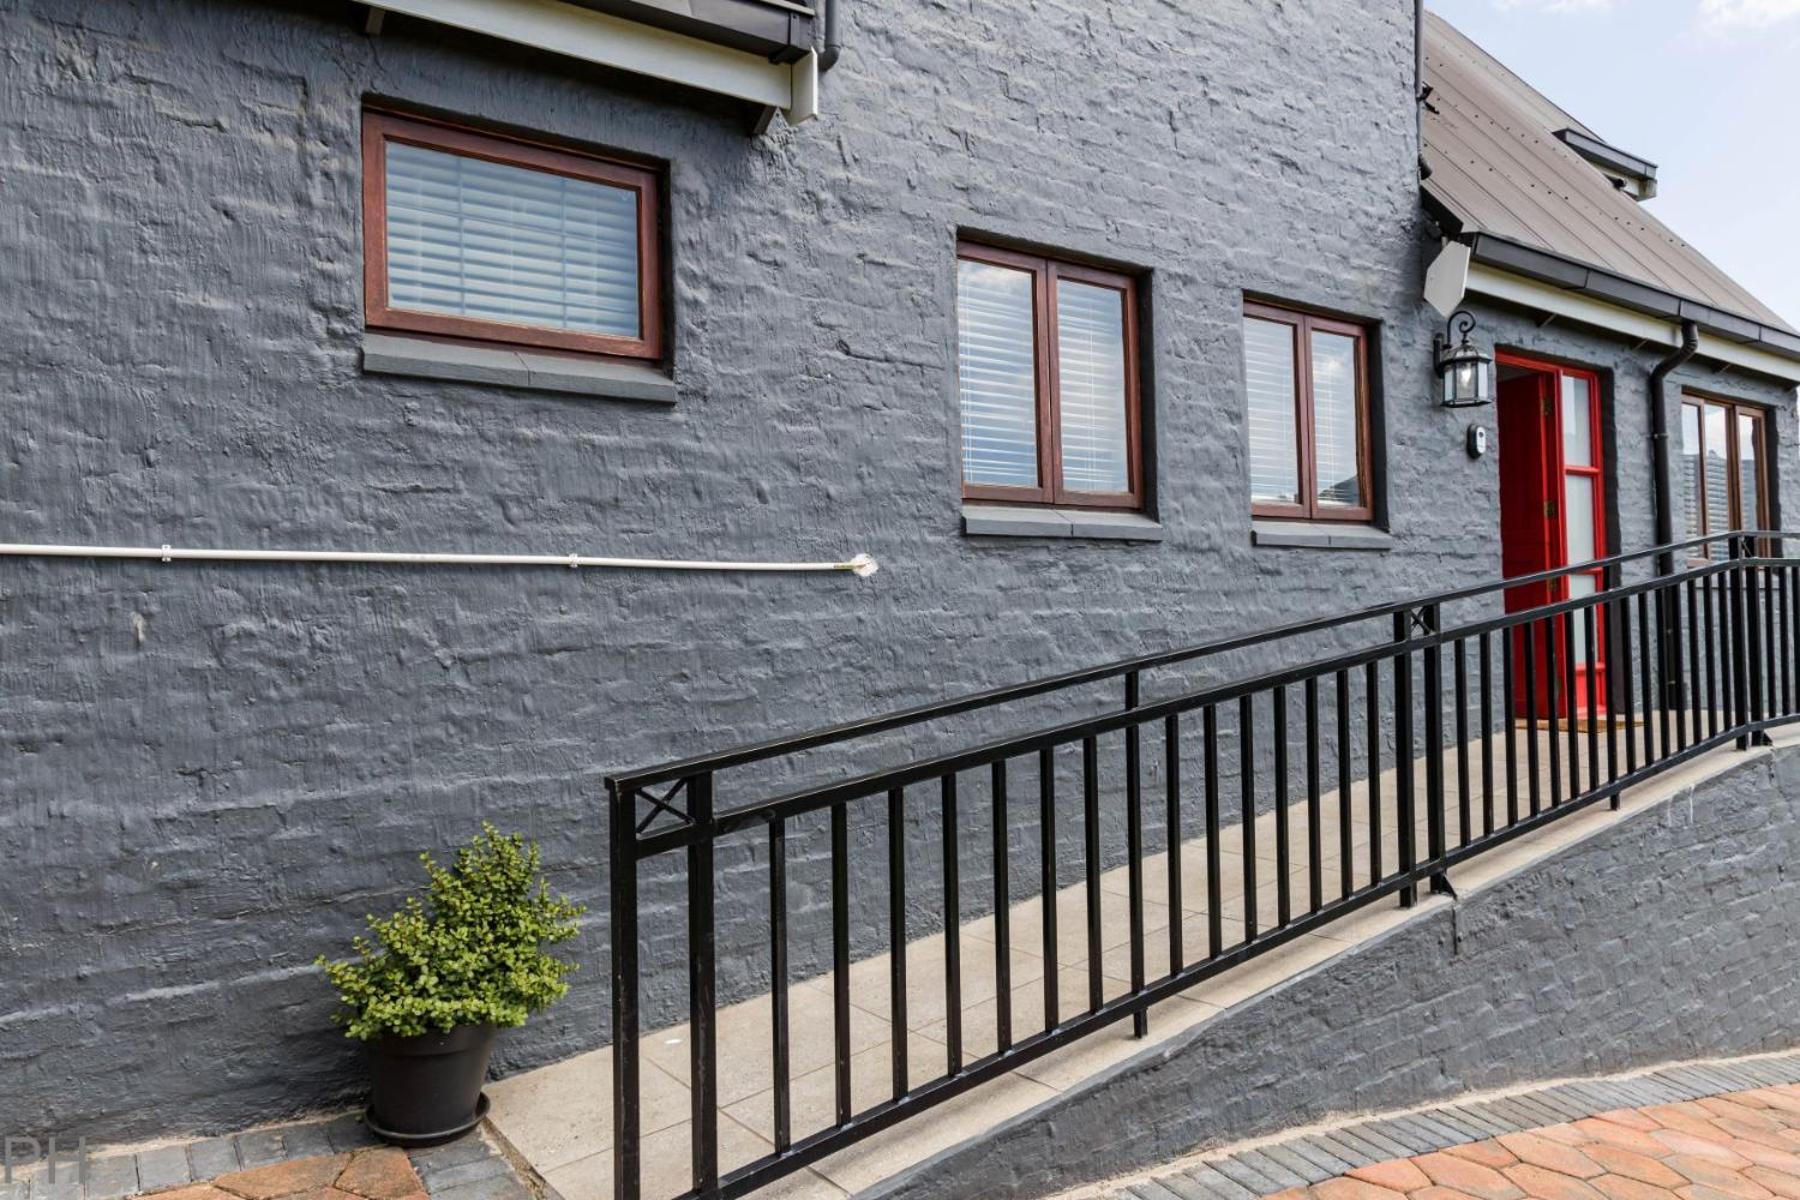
(1467, 372)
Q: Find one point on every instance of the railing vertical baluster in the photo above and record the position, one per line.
(1404, 763)
(1002, 830)
(1571, 690)
(1214, 892)
(1534, 786)
(1791, 640)
(703, 1051)
(1590, 630)
(1665, 686)
(1487, 733)
(1780, 577)
(1712, 662)
(953, 1049)
(1668, 600)
(1134, 849)
(1051, 882)
(1464, 800)
(1172, 772)
(1315, 854)
(1646, 670)
(1691, 699)
(840, 955)
(1433, 666)
(1553, 701)
(1283, 900)
(1627, 689)
(1346, 864)
(780, 1095)
(1733, 619)
(1753, 650)
(1372, 712)
(1090, 800)
(897, 1024)
(1509, 652)
(1247, 809)
(1609, 635)
(623, 920)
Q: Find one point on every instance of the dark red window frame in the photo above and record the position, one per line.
(1045, 273)
(1304, 323)
(1734, 516)
(381, 127)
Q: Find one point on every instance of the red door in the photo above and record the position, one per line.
(1552, 508)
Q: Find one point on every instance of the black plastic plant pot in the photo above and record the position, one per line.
(427, 1089)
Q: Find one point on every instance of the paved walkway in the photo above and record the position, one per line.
(1711, 1131)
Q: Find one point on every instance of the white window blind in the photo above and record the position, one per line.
(485, 240)
(997, 371)
(1269, 382)
(1090, 344)
(1335, 419)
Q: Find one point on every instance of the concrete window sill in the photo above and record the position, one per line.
(568, 374)
(1319, 535)
(1000, 520)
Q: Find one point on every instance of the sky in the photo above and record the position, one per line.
(1708, 90)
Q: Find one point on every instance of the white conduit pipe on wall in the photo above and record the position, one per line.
(862, 565)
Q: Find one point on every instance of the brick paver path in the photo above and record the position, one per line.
(1737, 1146)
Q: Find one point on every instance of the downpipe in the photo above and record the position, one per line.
(1668, 625)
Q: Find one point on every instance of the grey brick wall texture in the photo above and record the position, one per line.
(213, 773)
(1667, 936)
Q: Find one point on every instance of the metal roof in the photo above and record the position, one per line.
(1499, 170)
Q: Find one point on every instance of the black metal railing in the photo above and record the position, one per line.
(1544, 711)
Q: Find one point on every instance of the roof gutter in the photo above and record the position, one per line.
(1659, 440)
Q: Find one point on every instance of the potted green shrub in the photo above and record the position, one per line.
(432, 985)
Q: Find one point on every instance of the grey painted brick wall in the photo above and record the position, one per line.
(1670, 935)
(214, 772)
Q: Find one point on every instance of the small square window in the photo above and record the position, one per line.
(1306, 381)
(477, 236)
(1048, 376)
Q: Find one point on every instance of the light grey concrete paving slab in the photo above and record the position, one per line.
(1245, 1176)
(163, 1168)
(1299, 1164)
(1217, 1183)
(214, 1156)
(1325, 1160)
(1260, 1161)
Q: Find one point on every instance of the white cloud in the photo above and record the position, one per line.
(1746, 14)
(1560, 6)
(1557, 6)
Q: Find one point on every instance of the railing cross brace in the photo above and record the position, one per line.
(1440, 885)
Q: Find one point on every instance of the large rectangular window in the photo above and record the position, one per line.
(478, 236)
(1048, 375)
(1724, 464)
(1306, 381)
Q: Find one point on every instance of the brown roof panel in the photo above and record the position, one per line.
(1498, 167)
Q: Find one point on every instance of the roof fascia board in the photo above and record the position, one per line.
(1497, 283)
(614, 42)
(1614, 289)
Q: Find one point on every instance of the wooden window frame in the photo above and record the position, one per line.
(1734, 517)
(1045, 274)
(1304, 324)
(381, 127)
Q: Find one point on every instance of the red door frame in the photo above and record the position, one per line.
(1551, 474)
